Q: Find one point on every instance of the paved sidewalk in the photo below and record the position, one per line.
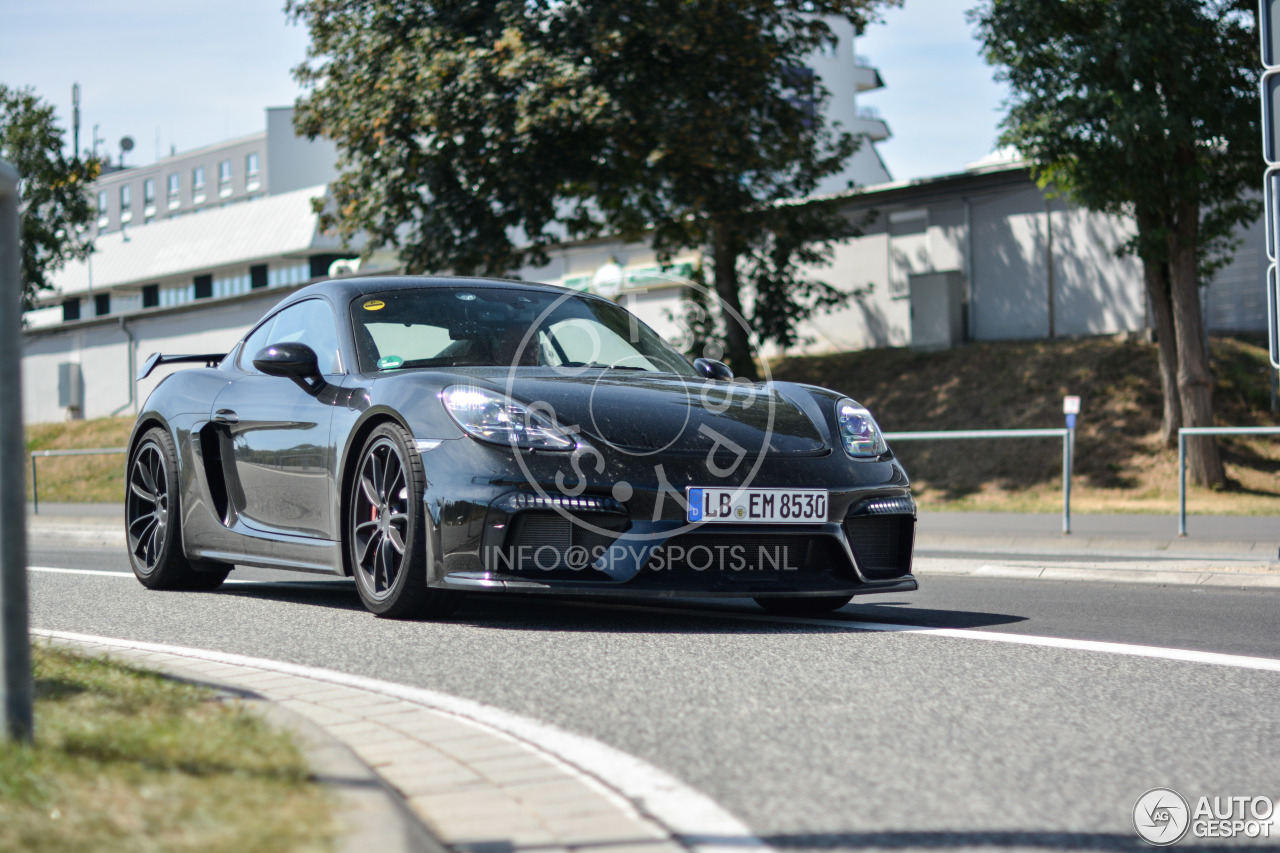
(1251, 537)
(476, 789)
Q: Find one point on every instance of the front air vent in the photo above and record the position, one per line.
(550, 545)
(881, 543)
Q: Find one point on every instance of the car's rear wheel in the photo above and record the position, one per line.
(386, 530)
(815, 606)
(153, 520)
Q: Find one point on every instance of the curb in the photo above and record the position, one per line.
(480, 779)
(370, 815)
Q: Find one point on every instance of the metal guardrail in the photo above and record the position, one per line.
(35, 484)
(1068, 445)
(1182, 459)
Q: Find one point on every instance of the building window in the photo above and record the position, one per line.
(251, 176)
(224, 178)
(258, 276)
(126, 197)
(175, 190)
(101, 304)
(102, 202)
(70, 310)
(203, 287)
(149, 191)
(150, 296)
(197, 184)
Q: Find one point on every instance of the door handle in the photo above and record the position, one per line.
(226, 416)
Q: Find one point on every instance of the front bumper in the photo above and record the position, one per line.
(515, 530)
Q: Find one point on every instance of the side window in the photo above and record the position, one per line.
(311, 323)
(253, 345)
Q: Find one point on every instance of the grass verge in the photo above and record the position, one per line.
(126, 760)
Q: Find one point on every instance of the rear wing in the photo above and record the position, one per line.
(156, 359)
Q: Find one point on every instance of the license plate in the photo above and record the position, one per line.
(758, 506)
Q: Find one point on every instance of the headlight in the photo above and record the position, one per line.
(496, 418)
(859, 432)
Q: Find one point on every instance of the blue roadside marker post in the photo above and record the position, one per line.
(16, 691)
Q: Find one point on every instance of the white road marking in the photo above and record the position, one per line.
(695, 818)
(1133, 650)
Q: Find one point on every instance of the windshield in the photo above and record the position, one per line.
(504, 327)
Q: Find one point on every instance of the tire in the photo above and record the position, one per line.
(385, 530)
(153, 520)
(804, 606)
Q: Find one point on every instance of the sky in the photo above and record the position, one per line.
(188, 73)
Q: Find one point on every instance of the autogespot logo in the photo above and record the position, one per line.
(1161, 816)
(704, 400)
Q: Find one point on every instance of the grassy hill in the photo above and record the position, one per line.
(1120, 465)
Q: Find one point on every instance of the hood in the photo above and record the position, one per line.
(660, 412)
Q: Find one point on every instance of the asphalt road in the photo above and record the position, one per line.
(817, 736)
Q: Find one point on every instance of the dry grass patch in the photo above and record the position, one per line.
(77, 479)
(125, 760)
(1120, 464)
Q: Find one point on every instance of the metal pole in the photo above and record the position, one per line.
(16, 691)
(35, 488)
(1068, 440)
(1182, 484)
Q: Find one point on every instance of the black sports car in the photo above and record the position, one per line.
(437, 436)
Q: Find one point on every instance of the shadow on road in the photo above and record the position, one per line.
(530, 613)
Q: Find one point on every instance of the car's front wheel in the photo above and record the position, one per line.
(153, 520)
(385, 531)
(814, 606)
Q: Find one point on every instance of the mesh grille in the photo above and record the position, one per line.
(747, 557)
(881, 543)
(548, 544)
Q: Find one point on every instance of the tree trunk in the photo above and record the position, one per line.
(1156, 275)
(1195, 379)
(738, 354)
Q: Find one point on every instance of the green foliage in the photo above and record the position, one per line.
(475, 136)
(52, 188)
(1134, 107)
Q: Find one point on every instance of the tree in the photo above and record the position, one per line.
(474, 136)
(1146, 109)
(52, 188)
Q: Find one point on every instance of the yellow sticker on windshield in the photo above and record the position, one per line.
(374, 305)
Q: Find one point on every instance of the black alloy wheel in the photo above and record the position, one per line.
(386, 536)
(153, 522)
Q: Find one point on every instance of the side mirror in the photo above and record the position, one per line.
(713, 369)
(292, 361)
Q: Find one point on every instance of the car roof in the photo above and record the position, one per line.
(341, 291)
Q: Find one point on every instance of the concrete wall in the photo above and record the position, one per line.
(101, 349)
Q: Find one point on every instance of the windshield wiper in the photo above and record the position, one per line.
(598, 366)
